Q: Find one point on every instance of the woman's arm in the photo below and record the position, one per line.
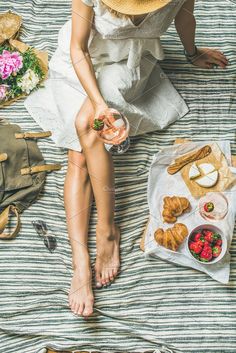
(185, 24)
(82, 17)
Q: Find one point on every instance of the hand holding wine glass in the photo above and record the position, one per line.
(113, 128)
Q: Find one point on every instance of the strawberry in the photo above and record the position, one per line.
(206, 254)
(207, 231)
(219, 242)
(195, 247)
(208, 236)
(216, 250)
(208, 206)
(206, 244)
(200, 243)
(98, 124)
(197, 236)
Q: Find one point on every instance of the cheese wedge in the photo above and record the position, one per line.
(194, 172)
(208, 180)
(206, 168)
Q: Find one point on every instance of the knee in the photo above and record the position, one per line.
(87, 136)
(82, 123)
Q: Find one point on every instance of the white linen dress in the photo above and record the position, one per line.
(125, 58)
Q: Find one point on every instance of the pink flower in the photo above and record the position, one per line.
(10, 63)
(3, 92)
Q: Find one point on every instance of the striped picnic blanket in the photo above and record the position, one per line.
(153, 306)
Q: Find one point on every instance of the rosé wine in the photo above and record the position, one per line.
(113, 128)
(213, 206)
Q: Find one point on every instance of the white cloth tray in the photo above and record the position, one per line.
(161, 184)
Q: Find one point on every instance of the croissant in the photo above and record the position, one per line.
(173, 207)
(173, 237)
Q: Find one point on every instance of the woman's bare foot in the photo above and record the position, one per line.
(108, 254)
(81, 296)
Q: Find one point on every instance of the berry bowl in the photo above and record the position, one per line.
(206, 244)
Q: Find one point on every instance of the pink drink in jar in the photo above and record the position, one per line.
(213, 206)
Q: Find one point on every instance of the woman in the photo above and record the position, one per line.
(114, 46)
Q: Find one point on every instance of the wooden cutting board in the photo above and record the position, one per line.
(50, 351)
(226, 179)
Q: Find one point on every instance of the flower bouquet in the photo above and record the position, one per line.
(22, 68)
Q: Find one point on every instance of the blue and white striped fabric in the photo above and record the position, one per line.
(153, 306)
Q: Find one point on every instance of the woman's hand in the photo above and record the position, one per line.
(209, 58)
(99, 109)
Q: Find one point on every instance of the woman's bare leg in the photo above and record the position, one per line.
(100, 169)
(78, 199)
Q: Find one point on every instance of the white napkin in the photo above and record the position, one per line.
(162, 184)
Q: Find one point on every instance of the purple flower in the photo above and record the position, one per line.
(3, 92)
(10, 63)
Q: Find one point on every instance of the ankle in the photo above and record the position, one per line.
(107, 232)
(81, 262)
(103, 226)
(80, 269)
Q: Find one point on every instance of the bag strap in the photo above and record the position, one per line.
(4, 219)
(40, 168)
(3, 157)
(32, 135)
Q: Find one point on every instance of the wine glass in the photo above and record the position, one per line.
(113, 129)
(213, 206)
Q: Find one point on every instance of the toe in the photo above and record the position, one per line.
(76, 309)
(111, 278)
(103, 277)
(107, 279)
(98, 279)
(88, 310)
(107, 275)
(115, 272)
(81, 309)
(73, 304)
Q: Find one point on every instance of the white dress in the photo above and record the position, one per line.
(125, 58)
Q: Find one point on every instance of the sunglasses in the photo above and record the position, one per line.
(49, 239)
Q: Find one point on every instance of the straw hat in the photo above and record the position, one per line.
(135, 7)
